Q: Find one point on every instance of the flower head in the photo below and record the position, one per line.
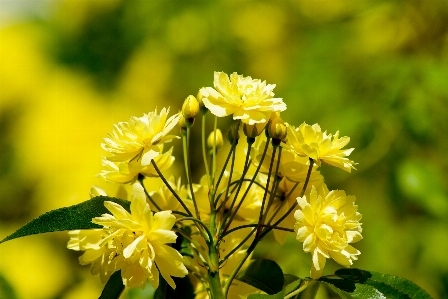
(250, 100)
(310, 141)
(135, 243)
(138, 138)
(326, 224)
(127, 172)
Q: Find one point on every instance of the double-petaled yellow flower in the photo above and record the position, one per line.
(327, 224)
(250, 100)
(139, 138)
(310, 141)
(135, 243)
(127, 172)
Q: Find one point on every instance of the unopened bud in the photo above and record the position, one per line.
(277, 129)
(190, 108)
(199, 98)
(253, 131)
(183, 125)
(215, 140)
(232, 133)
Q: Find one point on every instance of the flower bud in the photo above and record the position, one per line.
(199, 98)
(233, 134)
(215, 139)
(253, 131)
(277, 128)
(190, 108)
(183, 125)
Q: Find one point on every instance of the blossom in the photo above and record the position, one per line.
(309, 141)
(135, 243)
(127, 172)
(326, 224)
(250, 100)
(138, 138)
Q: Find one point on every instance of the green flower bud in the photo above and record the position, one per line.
(215, 139)
(232, 133)
(277, 128)
(253, 131)
(183, 125)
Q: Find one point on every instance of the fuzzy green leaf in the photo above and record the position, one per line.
(74, 217)
(265, 275)
(113, 288)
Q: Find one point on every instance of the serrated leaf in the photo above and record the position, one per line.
(265, 275)
(74, 217)
(361, 291)
(113, 288)
(390, 285)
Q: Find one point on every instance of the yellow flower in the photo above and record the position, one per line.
(135, 243)
(250, 100)
(309, 141)
(327, 224)
(127, 172)
(138, 138)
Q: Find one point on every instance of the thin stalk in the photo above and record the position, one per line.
(274, 187)
(308, 175)
(204, 150)
(246, 168)
(186, 149)
(214, 153)
(140, 179)
(299, 290)
(167, 184)
(252, 181)
(198, 221)
(238, 246)
(283, 202)
(260, 218)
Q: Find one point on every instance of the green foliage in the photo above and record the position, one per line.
(6, 290)
(355, 283)
(74, 217)
(184, 289)
(113, 288)
(265, 275)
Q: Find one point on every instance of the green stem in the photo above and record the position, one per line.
(167, 184)
(299, 290)
(308, 175)
(140, 179)
(186, 145)
(204, 150)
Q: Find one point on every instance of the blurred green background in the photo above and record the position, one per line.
(375, 70)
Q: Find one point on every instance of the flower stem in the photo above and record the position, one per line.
(140, 179)
(204, 150)
(167, 184)
(186, 148)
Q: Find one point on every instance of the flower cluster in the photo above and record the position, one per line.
(272, 184)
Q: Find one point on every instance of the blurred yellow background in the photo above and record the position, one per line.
(375, 70)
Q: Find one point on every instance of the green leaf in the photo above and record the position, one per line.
(310, 291)
(279, 295)
(113, 288)
(6, 289)
(184, 289)
(291, 283)
(74, 217)
(361, 292)
(265, 275)
(392, 286)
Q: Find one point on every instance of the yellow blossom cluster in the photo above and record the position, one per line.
(223, 217)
